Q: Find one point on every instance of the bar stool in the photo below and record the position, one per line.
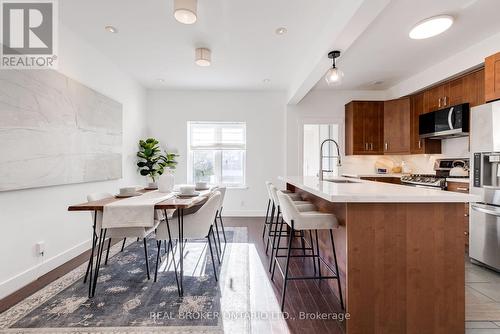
(302, 206)
(276, 210)
(305, 221)
(271, 207)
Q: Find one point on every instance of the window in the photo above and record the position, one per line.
(217, 152)
(314, 134)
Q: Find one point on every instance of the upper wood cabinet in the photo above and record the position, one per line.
(397, 126)
(364, 127)
(418, 145)
(465, 89)
(492, 77)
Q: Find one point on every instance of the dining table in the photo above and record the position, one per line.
(173, 203)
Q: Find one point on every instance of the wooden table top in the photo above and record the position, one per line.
(171, 203)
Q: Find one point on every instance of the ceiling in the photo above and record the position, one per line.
(151, 45)
(385, 53)
(373, 35)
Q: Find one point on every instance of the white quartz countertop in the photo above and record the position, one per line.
(363, 191)
(357, 176)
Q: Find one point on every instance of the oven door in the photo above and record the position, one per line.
(484, 235)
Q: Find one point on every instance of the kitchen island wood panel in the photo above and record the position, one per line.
(401, 265)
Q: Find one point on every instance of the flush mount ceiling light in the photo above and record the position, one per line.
(266, 81)
(203, 57)
(111, 29)
(281, 31)
(185, 11)
(334, 75)
(431, 27)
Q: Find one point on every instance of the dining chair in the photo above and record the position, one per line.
(197, 225)
(115, 233)
(218, 215)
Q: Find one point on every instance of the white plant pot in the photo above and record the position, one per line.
(166, 182)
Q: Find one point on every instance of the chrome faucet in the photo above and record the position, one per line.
(339, 161)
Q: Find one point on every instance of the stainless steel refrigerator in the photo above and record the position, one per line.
(484, 223)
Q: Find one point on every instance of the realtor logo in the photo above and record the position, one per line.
(28, 34)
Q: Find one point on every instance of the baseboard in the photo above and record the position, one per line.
(244, 213)
(30, 275)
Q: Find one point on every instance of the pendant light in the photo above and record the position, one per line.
(185, 11)
(203, 57)
(334, 75)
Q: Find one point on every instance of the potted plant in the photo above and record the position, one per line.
(152, 162)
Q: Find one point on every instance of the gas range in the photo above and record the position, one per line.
(424, 180)
(438, 180)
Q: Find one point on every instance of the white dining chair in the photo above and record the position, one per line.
(115, 233)
(218, 216)
(198, 225)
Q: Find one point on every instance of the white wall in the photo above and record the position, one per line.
(32, 215)
(263, 112)
(318, 106)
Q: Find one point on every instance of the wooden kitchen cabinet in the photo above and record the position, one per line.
(492, 77)
(418, 145)
(397, 126)
(434, 98)
(364, 127)
(468, 88)
(462, 188)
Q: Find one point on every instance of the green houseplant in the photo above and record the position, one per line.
(152, 161)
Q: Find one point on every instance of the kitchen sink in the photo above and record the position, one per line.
(340, 181)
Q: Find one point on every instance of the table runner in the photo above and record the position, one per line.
(134, 211)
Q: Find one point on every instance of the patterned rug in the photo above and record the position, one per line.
(127, 302)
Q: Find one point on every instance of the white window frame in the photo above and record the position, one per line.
(219, 147)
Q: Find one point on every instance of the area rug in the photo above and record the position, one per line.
(127, 302)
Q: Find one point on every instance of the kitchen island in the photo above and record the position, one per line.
(400, 251)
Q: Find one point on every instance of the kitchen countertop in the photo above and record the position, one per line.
(357, 176)
(364, 191)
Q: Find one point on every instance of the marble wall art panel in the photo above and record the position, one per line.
(54, 130)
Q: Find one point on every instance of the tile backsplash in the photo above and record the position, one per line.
(417, 163)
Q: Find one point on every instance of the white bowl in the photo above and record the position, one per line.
(187, 189)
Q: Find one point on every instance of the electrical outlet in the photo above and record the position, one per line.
(40, 248)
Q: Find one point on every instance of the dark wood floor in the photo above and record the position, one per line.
(310, 296)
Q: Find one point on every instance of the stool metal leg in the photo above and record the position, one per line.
(271, 223)
(123, 244)
(285, 281)
(337, 269)
(317, 252)
(265, 221)
(277, 249)
(274, 241)
(312, 251)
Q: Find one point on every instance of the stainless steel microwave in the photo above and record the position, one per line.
(445, 123)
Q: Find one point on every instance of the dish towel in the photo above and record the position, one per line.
(136, 211)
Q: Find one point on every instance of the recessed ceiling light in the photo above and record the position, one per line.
(266, 81)
(281, 31)
(185, 11)
(203, 57)
(111, 29)
(160, 80)
(378, 82)
(431, 27)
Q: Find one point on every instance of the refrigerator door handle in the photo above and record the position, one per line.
(484, 209)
